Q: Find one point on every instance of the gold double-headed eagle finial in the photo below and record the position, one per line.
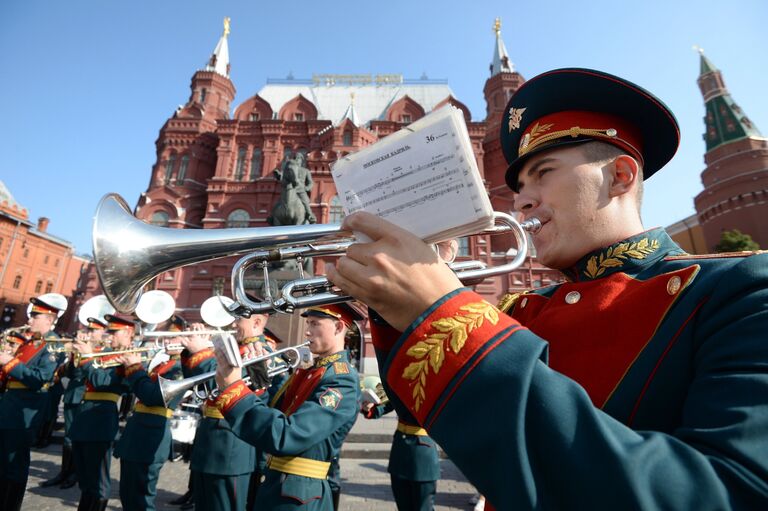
(226, 26)
(497, 26)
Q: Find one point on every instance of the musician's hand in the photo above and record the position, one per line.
(195, 343)
(226, 374)
(129, 359)
(253, 350)
(5, 358)
(396, 274)
(82, 347)
(175, 342)
(81, 335)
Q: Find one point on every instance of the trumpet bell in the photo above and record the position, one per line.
(129, 253)
(155, 306)
(214, 311)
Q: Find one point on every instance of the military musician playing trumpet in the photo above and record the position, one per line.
(145, 443)
(74, 392)
(95, 426)
(313, 412)
(27, 372)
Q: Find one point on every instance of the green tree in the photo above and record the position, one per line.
(736, 241)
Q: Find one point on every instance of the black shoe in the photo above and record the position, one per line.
(69, 482)
(188, 505)
(179, 501)
(59, 479)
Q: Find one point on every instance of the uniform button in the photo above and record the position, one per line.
(523, 303)
(572, 297)
(673, 286)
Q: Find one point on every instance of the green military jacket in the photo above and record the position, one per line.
(28, 374)
(641, 383)
(413, 457)
(97, 419)
(147, 434)
(312, 414)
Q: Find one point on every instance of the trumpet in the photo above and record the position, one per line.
(171, 389)
(146, 355)
(129, 253)
(161, 333)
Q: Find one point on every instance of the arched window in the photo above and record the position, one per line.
(182, 170)
(238, 218)
(241, 164)
(169, 168)
(347, 138)
(255, 164)
(38, 286)
(202, 95)
(17, 282)
(336, 213)
(49, 287)
(159, 218)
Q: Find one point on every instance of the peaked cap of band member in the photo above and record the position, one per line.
(572, 106)
(16, 337)
(177, 324)
(270, 336)
(41, 307)
(96, 324)
(115, 322)
(345, 312)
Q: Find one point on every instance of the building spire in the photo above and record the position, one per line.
(219, 61)
(725, 121)
(501, 62)
(350, 113)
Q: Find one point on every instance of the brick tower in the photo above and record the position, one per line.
(735, 180)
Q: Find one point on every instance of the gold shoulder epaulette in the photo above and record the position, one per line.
(508, 301)
(341, 367)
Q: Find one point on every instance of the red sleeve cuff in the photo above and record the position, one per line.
(10, 365)
(444, 343)
(133, 368)
(229, 397)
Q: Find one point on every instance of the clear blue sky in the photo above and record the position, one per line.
(86, 85)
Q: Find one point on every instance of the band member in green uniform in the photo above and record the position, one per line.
(26, 372)
(414, 464)
(73, 396)
(639, 383)
(95, 426)
(312, 415)
(145, 444)
(222, 462)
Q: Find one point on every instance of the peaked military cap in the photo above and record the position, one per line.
(41, 307)
(270, 336)
(96, 324)
(118, 322)
(344, 312)
(177, 324)
(572, 106)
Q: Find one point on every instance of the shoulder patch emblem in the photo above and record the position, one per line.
(341, 367)
(331, 398)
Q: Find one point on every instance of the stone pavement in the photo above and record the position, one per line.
(365, 481)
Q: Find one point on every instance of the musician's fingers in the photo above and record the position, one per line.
(447, 250)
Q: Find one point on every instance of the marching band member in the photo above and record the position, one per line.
(312, 414)
(222, 462)
(639, 383)
(145, 443)
(27, 371)
(95, 426)
(414, 464)
(73, 396)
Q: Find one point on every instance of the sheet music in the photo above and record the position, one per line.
(423, 178)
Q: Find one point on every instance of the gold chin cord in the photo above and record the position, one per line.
(129, 253)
